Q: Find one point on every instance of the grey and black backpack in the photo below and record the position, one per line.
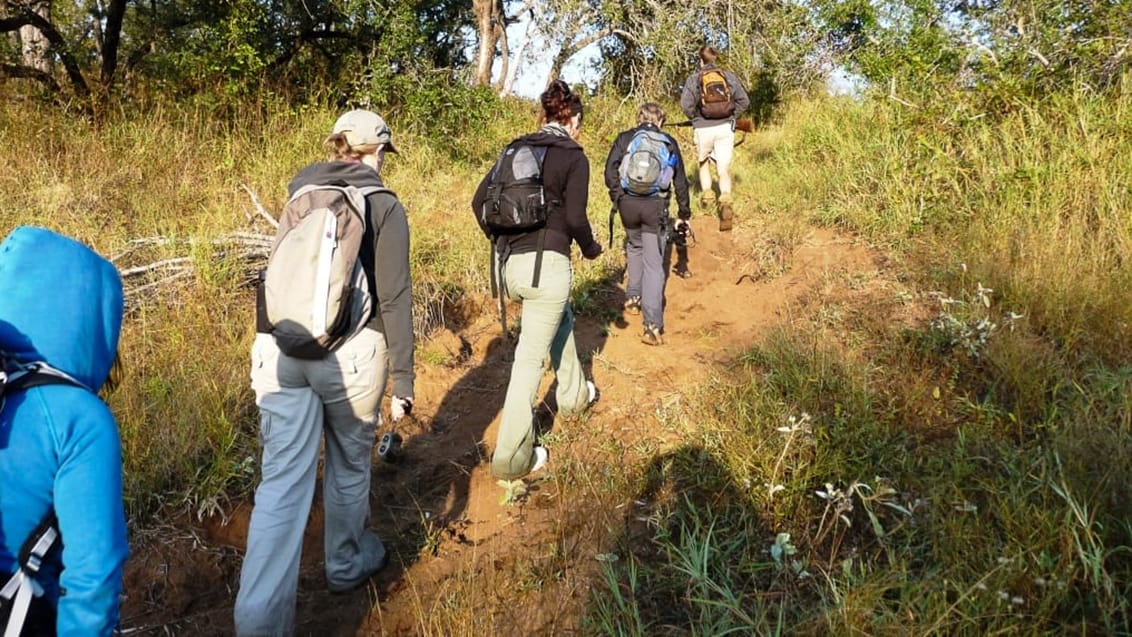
(314, 293)
(516, 200)
(648, 165)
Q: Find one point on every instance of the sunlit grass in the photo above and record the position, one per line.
(959, 473)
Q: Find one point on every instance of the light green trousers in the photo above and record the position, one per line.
(546, 327)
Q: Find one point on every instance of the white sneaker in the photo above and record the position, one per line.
(592, 389)
(541, 456)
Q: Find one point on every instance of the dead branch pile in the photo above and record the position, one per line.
(146, 278)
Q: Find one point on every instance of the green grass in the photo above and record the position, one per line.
(960, 474)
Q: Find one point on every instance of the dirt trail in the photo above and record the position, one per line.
(439, 510)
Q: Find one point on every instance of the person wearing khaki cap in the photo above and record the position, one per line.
(338, 397)
(361, 128)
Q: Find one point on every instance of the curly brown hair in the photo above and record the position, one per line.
(559, 103)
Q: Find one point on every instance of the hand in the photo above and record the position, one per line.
(400, 407)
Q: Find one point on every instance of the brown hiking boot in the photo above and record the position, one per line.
(725, 215)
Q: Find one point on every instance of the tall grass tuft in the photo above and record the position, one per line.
(960, 475)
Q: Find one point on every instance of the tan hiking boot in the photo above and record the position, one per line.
(725, 215)
(707, 202)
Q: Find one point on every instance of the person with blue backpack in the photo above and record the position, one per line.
(62, 516)
(643, 170)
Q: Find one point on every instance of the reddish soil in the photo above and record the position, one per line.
(458, 554)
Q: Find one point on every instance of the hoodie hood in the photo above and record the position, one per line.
(336, 173)
(61, 303)
(552, 135)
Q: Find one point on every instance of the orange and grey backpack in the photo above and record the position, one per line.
(715, 94)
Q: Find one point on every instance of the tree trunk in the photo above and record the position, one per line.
(33, 43)
(570, 48)
(486, 19)
(111, 38)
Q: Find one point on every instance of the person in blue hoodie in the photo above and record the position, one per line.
(61, 304)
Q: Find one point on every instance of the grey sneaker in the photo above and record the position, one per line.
(633, 305)
(651, 335)
(339, 589)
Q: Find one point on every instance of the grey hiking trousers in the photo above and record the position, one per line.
(547, 327)
(300, 403)
(646, 238)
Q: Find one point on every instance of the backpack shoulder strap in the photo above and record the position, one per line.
(22, 586)
(28, 375)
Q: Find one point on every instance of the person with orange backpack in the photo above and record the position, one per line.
(712, 99)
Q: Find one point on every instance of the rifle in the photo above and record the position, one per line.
(745, 124)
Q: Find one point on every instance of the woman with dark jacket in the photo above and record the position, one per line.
(337, 397)
(547, 318)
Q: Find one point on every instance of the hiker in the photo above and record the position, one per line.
(643, 168)
(713, 98)
(60, 452)
(303, 399)
(536, 270)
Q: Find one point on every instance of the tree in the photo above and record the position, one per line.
(33, 44)
(991, 51)
(235, 46)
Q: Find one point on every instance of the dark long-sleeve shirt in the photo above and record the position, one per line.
(385, 257)
(679, 177)
(565, 178)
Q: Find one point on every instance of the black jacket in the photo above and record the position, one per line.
(679, 177)
(384, 254)
(565, 178)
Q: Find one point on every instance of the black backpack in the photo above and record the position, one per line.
(516, 200)
(19, 600)
(515, 203)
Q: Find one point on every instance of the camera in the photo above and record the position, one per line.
(680, 235)
(390, 447)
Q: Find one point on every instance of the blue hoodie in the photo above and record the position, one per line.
(62, 303)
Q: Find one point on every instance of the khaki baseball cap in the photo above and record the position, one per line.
(362, 127)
